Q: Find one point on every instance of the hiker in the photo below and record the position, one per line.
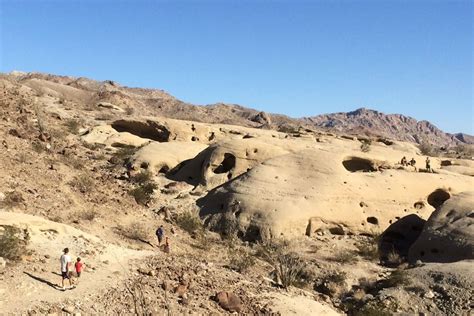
(167, 245)
(404, 161)
(428, 164)
(160, 232)
(79, 266)
(65, 268)
(413, 163)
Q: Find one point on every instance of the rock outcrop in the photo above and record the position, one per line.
(448, 234)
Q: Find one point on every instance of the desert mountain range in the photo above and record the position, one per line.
(157, 102)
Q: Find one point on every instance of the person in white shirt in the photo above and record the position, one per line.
(66, 267)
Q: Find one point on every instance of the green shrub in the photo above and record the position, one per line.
(346, 256)
(368, 250)
(122, 155)
(12, 247)
(82, 183)
(398, 278)
(142, 177)
(135, 231)
(143, 193)
(189, 222)
(72, 126)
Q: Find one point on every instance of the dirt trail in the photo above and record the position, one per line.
(37, 279)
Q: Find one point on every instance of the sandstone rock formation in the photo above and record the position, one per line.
(448, 234)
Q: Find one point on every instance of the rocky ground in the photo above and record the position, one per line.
(259, 221)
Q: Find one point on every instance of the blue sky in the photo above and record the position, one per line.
(299, 58)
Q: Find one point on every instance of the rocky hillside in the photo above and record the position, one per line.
(157, 102)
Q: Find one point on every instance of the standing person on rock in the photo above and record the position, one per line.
(160, 233)
(66, 264)
(428, 164)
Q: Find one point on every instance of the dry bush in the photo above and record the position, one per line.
(143, 193)
(93, 146)
(83, 183)
(122, 155)
(135, 231)
(87, 215)
(189, 222)
(12, 199)
(398, 278)
(427, 149)
(73, 126)
(332, 284)
(129, 110)
(345, 257)
(12, 247)
(394, 259)
(38, 147)
(240, 259)
(142, 177)
(369, 250)
(289, 268)
(365, 146)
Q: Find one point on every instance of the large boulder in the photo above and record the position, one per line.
(316, 189)
(448, 235)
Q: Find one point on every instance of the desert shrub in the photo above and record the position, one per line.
(426, 148)
(189, 222)
(394, 258)
(368, 250)
(365, 146)
(38, 147)
(12, 199)
(332, 284)
(87, 215)
(72, 162)
(346, 256)
(135, 231)
(142, 177)
(12, 247)
(289, 269)
(397, 278)
(122, 155)
(143, 193)
(92, 146)
(83, 183)
(241, 260)
(129, 110)
(72, 126)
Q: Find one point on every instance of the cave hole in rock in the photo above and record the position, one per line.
(437, 197)
(227, 164)
(419, 205)
(356, 164)
(149, 130)
(445, 163)
(164, 169)
(372, 220)
(194, 139)
(144, 165)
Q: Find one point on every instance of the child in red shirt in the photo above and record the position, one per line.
(79, 266)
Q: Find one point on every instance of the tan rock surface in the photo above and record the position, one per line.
(448, 234)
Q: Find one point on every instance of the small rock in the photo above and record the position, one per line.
(69, 309)
(229, 301)
(429, 294)
(3, 264)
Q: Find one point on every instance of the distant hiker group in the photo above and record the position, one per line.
(412, 163)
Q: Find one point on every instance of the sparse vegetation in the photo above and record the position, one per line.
(369, 250)
(289, 269)
(240, 259)
(87, 215)
(38, 147)
(122, 155)
(189, 222)
(345, 257)
(332, 284)
(365, 146)
(135, 231)
(12, 199)
(129, 110)
(72, 126)
(142, 177)
(398, 278)
(12, 247)
(83, 183)
(143, 193)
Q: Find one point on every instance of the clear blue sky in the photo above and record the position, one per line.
(292, 57)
